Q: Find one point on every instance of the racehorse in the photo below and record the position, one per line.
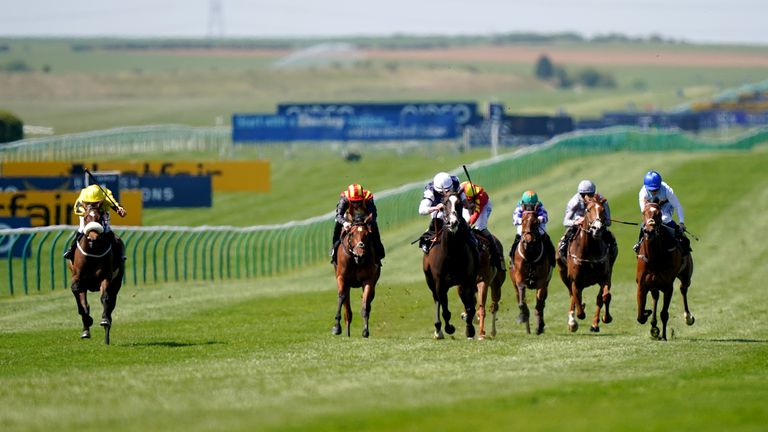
(452, 260)
(530, 267)
(356, 267)
(96, 266)
(588, 262)
(660, 260)
(488, 276)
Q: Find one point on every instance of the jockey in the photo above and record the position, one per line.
(480, 208)
(530, 202)
(356, 203)
(435, 191)
(658, 191)
(574, 214)
(96, 195)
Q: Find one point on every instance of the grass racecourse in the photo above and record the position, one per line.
(257, 355)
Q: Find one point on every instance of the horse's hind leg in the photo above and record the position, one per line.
(482, 295)
(654, 322)
(443, 301)
(495, 299)
(336, 330)
(685, 282)
(347, 314)
(467, 294)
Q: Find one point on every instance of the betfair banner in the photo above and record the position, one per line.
(247, 176)
(56, 207)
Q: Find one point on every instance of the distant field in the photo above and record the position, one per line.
(98, 89)
(258, 354)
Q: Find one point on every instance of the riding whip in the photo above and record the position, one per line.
(471, 183)
(625, 223)
(93, 179)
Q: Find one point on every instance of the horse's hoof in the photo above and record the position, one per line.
(690, 319)
(105, 322)
(470, 331)
(539, 330)
(481, 336)
(463, 316)
(594, 329)
(493, 333)
(88, 321)
(581, 316)
(655, 332)
(336, 330)
(438, 335)
(86, 334)
(572, 327)
(522, 319)
(450, 329)
(365, 333)
(607, 319)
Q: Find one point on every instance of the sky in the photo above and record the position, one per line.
(718, 21)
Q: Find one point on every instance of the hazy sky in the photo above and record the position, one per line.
(693, 20)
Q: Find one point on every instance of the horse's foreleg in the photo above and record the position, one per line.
(665, 311)
(443, 299)
(654, 321)
(495, 299)
(104, 296)
(685, 282)
(368, 294)
(606, 298)
(467, 293)
(642, 312)
(336, 330)
(482, 295)
(541, 301)
(84, 310)
(347, 313)
(525, 315)
(576, 301)
(438, 324)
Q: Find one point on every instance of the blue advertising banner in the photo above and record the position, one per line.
(172, 191)
(366, 127)
(20, 239)
(464, 112)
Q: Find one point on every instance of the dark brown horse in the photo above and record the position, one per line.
(452, 260)
(356, 267)
(97, 266)
(589, 261)
(660, 260)
(488, 277)
(530, 267)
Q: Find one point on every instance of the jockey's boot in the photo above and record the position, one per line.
(514, 246)
(333, 251)
(562, 248)
(69, 254)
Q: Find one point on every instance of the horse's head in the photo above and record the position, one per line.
(357, 239)
(452, 212)
(651, 218)
(93, 220)
(594, 217)
(529, 231)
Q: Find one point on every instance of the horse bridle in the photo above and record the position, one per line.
(534, 235)
(594, 225)
(356, 250)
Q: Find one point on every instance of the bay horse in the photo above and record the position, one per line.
(660, 260)
(488, 277)
(356, 267)
(589, 261)
(97, 266)
(452, 260)
(530, 267)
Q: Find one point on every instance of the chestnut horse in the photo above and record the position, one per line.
(452, 260)
(488, 276)
(660, 260)
(97, 266)
(589, 261)
(356, 267)
(530, 267)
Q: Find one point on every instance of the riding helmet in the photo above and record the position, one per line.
(529, 198)
(355, 192)
(652, 181)
(586, 187)
(442, 182)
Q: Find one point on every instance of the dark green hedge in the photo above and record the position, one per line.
(11, 127)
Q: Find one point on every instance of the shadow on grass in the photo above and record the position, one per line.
(174, 344)
(741, 340)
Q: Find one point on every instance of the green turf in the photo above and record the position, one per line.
(258, 354)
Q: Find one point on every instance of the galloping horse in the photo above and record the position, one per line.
(356, 267)
(96, 267)
(588, 262)
(488, 276)
(660, 260)
(452, 260)
(530, 267)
